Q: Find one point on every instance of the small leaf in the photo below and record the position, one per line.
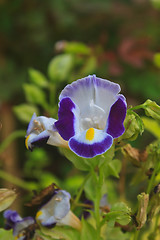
(7, 197)
(24, 112)
(152, 109)
(113, 168)
(133, 126)
(5, 234)
(38, 78)
(88, 231)
(84, 164)
(60, 67)
(120, 213)
(77, 48)
(34, 94)
(90, 188)
(152, 126)
(89, 66)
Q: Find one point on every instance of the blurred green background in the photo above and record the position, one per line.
(116, 40)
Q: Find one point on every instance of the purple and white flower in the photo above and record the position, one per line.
(18, 224)
(91, 114)
(57, 211)
(40, 131)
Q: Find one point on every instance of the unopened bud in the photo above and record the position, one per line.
(141, 217)
(152, 109)
(7, 197)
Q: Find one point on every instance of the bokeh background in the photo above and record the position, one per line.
(116, 40)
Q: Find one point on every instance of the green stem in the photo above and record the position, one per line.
(14, 180)
(97, 202)
(11, 138)
(151, 181)
(76, 200)
(136, 107)
(136, 235)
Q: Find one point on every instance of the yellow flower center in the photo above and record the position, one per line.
(26, 141)
(39, 213)
(90, 134)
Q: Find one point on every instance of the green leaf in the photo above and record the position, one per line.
(88, 231)
(84, 164)
(38, 78)
(90, 188)
(5, 234)
(133, 126)
(152, 109)
(77, 48)
(34, 94)
(89, 66)
(24, 112)
(60, 67)
(120, 213)
(113, 168)
(65, 233)
(152, 126)
(113, 233)
(79, 162)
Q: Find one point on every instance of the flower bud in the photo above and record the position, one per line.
(152, 109)
(141, 217)
(7, 197)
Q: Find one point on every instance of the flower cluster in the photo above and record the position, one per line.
(91, 114)
(55, 211)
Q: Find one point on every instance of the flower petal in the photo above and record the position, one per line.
(116, 117)
(21, 225)
(67, 124)
(90, 143)
(34, 140)
(31, 124)
(55, 209)
(90, 94)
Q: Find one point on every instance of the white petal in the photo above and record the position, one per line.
(94, 97)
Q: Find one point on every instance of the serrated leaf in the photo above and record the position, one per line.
(60, 67)
(38, 78)
(24, 112)
(120, 213)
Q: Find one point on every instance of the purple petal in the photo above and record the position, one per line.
(21, 225)
(85, 150)
(86, 84)
(67, 124)
(31, 124)
(91, 91)
(116, 118)
(40, 140)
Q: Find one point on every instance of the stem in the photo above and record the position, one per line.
(76, 200)
(136, 107)
(136, 235)
(156, 223)
(10, 138)
(151, 182)
(97, 202)
(14, 180)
